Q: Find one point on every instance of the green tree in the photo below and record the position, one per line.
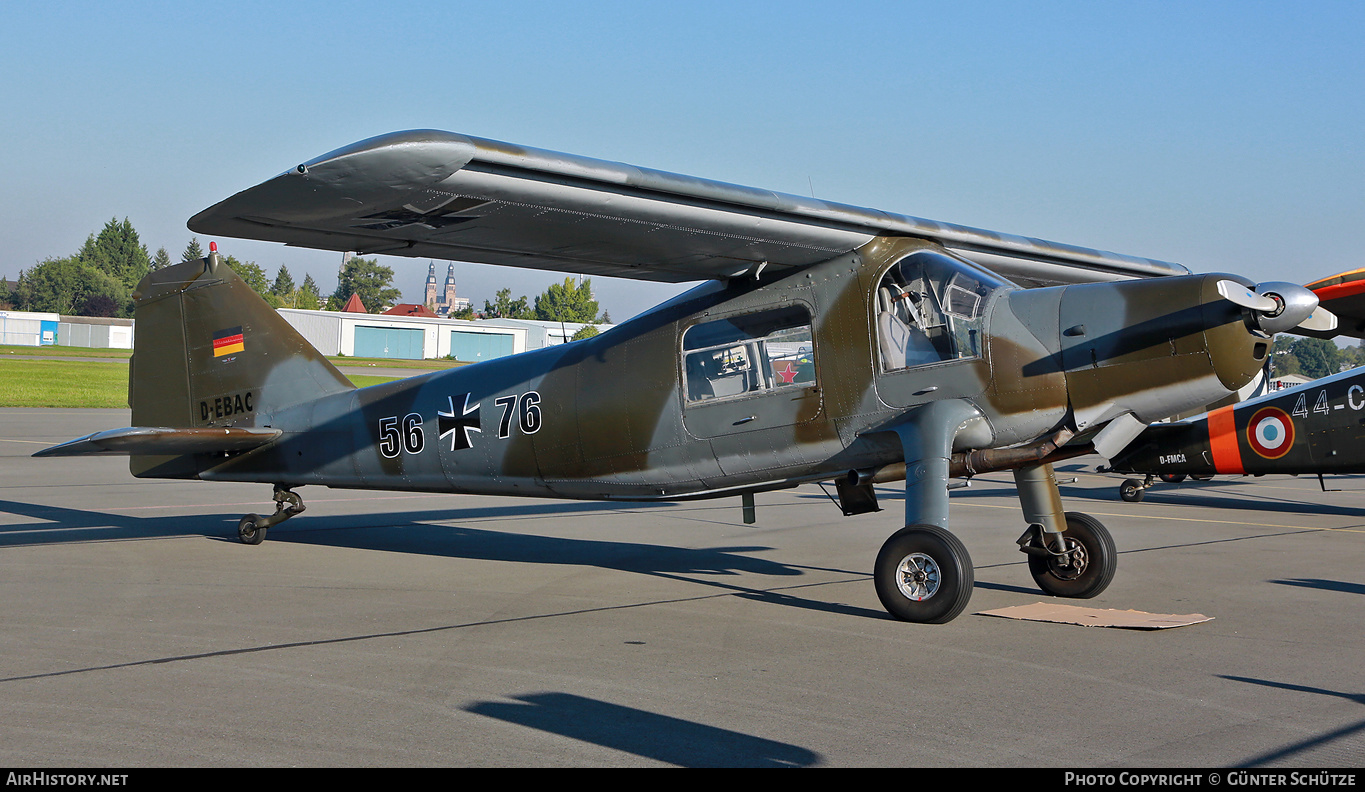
(118, 251)
(504, 307)
(250, 272)
(1317, 357)
(192, 251)
(72, 287)
(567, 302)
(368, 279)
(1282, 359)
(283, 287)
(584, 332)
(161, 259)
(1352, 356)
(308, 297)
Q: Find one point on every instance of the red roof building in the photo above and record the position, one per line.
(410, 309)
(354, 305)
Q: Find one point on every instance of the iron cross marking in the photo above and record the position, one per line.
(458, 425)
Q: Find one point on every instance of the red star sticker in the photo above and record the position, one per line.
(787, 373)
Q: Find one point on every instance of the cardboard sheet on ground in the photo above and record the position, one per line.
(1095, 617)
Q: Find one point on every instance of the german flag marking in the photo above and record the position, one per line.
(226, 342)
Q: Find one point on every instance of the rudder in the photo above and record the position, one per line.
(209, 352)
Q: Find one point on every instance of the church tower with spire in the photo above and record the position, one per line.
(429, 298)
(448, 297)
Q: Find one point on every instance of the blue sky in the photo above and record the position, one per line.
(1224, 136)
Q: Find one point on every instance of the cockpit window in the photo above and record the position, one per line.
(745, 355)
(930, 309)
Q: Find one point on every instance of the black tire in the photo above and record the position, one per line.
(248, 532)
(1131, 490)
(1096, 570)
(1202, 476)
(924, 575)
(1172, 478)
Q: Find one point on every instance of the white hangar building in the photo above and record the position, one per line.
(417, 337)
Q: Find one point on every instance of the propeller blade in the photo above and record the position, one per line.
(1238, 294)
(1321, 321)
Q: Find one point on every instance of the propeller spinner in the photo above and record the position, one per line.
(1280, 307)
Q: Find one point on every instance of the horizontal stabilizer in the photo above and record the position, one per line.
(155, 440)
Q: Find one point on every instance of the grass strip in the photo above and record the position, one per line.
(63, 351)
(76, 383)
(62, 383)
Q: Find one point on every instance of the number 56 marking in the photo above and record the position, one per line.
(392, 441)
(527, 406)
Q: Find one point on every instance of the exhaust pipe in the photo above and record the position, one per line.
(985, 460)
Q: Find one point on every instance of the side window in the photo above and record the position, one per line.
(929, 308)
(745, 355)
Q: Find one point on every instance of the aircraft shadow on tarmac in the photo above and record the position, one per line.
(1324, 585)
(444, 533)
(1296, 750)
(1211, 494)
(672, 740)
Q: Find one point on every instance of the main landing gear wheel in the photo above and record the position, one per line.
(1131, 490)
(1088, 566)
(1172, 478)
(250, 531)
(923, 574)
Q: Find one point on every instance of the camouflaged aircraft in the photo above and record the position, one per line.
(828, 343)
(1314, 428)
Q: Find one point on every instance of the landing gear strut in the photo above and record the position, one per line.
(1070, 554)
(924, 574)
(1079, 563)
(252, 527)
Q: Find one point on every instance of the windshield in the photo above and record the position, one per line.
(930, 308)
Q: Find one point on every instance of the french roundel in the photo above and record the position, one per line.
(1271, 432)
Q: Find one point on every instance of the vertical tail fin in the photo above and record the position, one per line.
(208, 352)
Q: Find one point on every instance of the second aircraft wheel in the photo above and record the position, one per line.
(1089, 564)
(1131, 490)
(923, 574)
(248, 531)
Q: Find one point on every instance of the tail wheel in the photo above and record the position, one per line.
(248, 530)
(1088, 566)
(1131, 490)
(923, 574)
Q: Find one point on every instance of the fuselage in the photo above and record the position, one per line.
(755, 384)
(1317, 427)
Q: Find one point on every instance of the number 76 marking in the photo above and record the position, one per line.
(527, 406)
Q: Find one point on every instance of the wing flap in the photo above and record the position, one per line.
(431, 194)
(153, 440)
